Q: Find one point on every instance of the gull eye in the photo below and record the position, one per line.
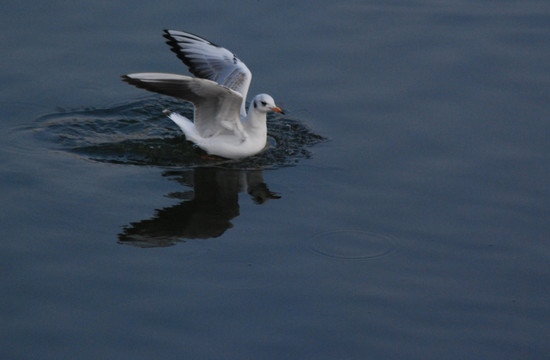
(264, 103)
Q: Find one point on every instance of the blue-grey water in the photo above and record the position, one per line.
(401, 211)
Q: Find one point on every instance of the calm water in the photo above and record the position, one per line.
(419, 230)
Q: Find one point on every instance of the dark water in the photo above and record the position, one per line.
(400, 212)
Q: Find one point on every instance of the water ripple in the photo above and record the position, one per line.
(353, 245)
(138, 133)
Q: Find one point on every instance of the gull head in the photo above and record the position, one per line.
(264, 103)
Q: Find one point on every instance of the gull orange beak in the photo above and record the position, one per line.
(277, 109)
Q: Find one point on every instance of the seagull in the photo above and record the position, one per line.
(221, 124)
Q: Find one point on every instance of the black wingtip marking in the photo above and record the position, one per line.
(185, 34)
(177, 46)
(128, 80)
(136, 82)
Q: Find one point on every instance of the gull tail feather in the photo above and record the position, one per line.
(185, 125)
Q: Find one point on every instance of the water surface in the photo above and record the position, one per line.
(401, 211)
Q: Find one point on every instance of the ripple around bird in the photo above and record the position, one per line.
(138, 133)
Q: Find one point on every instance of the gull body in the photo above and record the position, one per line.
(221, 124)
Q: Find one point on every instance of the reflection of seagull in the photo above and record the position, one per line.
(221, 124)
(207, 214)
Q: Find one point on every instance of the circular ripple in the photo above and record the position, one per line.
(353, 245)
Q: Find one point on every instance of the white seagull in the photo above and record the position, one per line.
(221, 124)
